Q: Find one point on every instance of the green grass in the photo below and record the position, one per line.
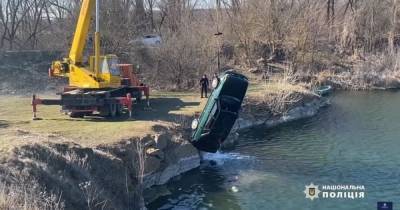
(16, 121)
(167, 109)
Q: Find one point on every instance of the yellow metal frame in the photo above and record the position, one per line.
(81, 32)
(81, 76)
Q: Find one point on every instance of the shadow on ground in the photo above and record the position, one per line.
(4, 124)
(160, 110)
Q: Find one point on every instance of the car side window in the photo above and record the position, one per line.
(212, 116)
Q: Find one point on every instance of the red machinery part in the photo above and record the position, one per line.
(146, 90)
(51, 72)
(127, 101)
(129, 78)
(35, 101)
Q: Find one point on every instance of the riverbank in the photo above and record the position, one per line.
(343, 143)
(114, 172)
(268, 106)
(116, 158)
(93, 162)
(60, 162)
(275, 105)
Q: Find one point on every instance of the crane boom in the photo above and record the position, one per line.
(102, 71)
(81, 32)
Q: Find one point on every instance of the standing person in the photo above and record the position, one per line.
(204, 85)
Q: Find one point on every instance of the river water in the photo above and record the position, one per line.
(354, 141)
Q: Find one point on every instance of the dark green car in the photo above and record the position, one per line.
(220, 112)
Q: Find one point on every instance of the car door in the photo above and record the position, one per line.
(212, 118)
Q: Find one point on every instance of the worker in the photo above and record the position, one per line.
(204, 85)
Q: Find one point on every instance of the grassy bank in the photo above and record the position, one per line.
(168, 109)
(59, 153)
(18, 128)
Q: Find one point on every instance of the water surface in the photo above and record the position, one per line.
(353, 141)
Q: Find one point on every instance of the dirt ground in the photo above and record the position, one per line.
(18, 128)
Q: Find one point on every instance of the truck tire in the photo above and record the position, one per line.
(119, 109)
(76, 115)
(113, 110)
(139, 97)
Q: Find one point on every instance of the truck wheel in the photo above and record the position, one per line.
(113, 110)
(119, 109)
(76, 114)
(139, 97)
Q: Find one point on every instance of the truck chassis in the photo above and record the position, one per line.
(107, 102)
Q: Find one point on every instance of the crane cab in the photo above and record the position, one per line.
(109, 75)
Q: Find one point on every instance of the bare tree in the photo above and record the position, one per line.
(150, 12)
(13, 13)
(391, 34)
(33, 21)
(298, 31)
(330, 14)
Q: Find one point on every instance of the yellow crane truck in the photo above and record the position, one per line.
(102, 86)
